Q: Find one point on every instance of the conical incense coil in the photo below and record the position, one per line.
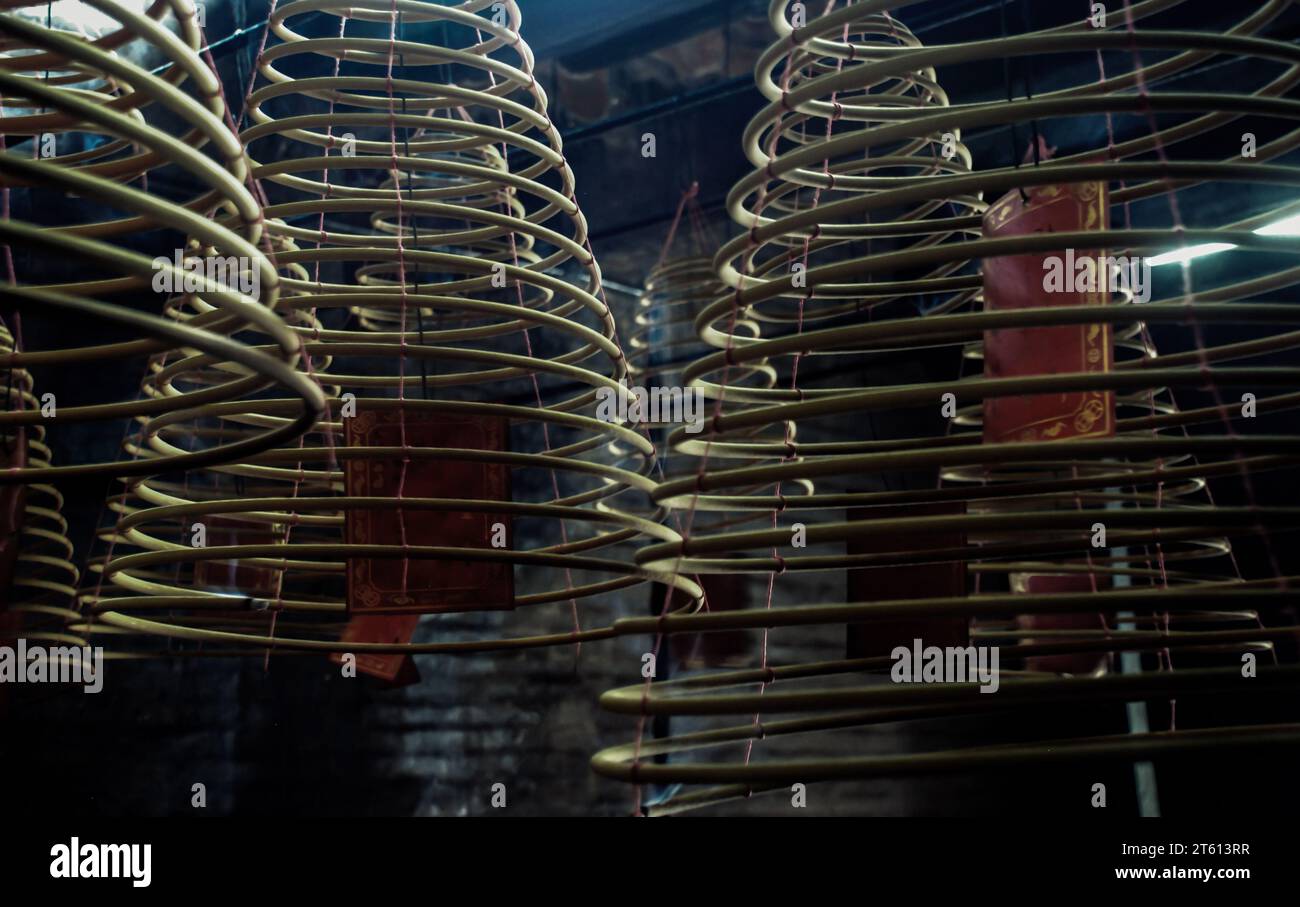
(481, 305)
(223, 217)
(1132, 378)
(226, 423)
(445, 313)
(1030, 507)
(824, 96)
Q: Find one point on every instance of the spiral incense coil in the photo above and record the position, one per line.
(431, 179)
(478, 194)
(227, 423)
(1165, 583)
(43, 584)
(93, 92)
(826, 99)
(423, 216)
(809, 170)
(663, 341)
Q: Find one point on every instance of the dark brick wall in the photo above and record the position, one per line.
(296, 738)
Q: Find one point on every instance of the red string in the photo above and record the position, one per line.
(746, 266)
(401, 274)
(1197, 330)
(687, 196)
(528, 344)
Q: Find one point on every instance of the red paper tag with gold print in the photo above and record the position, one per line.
(422, 585)
(260, 582)
(939, 580)
(1057, 584)
(394, 668)
(1018, 282)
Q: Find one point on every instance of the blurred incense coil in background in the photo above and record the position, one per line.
(36, 557)
(664, 343)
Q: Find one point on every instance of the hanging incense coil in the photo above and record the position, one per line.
(476, 194)
(226, 423)
(40, 592)
(428, 251)
(1164, 581)
(803, 144)
(791, 207)
(93, 92)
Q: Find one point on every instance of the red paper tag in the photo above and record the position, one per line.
(260, 582)
(721, 648)
(1017, 282)
(396, 668)
(1034, 584)
(422, 586)
(941, 580)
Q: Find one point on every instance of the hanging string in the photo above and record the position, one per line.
(687, 195)
(292, 518)
(401, 274)
(794, 385)
(1011, 96)
(752, 246)
(1028, 65)
(528, 344)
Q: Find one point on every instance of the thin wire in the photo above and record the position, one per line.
(237, 33)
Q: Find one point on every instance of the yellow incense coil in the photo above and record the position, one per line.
(44, 582)
(426, 234)
(94, 92)
(1166, 583)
